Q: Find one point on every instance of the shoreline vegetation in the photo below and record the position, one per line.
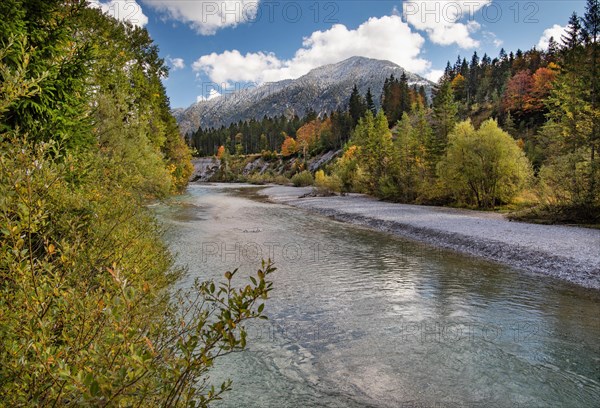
(519, 132)
(88, 314)
(312, 171)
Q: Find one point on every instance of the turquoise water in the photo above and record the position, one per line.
(360, 318)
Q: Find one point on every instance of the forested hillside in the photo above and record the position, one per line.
(86, 140)
(520, 129)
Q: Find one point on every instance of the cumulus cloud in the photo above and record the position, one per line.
(371, 39)
(434, 75)
(122, 10)
(556, 31)
(232, 66)
(442, 20)
(207, 16)
(176, 63)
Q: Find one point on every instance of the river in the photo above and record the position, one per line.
(359, 318)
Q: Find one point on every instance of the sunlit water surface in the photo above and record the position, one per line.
(364, 319)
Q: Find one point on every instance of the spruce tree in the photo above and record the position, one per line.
(370, 103)
(405, 104)
(445, 111)
(357, 105)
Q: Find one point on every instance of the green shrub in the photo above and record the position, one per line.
(327, 184)
(485, 167)
(303, 179)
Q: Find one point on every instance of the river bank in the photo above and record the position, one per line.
(568, 253)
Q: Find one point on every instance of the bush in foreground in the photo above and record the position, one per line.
(87, 314)
(303, 179)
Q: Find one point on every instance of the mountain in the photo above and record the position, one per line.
(323, 89)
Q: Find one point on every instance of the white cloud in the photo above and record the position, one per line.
(441, 20)
(207, 16)
(176, 63)
(434, 75)
(556, 31)
(231, 66)
(122, 10)
(372, 39)
(490, 37)
(211, 95)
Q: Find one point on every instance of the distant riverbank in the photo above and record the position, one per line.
(568, 253)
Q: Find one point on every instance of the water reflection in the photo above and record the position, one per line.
(360, 318)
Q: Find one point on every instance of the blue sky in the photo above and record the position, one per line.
(214, 47)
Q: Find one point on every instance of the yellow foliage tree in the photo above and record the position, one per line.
(289, 147)
(485, 166)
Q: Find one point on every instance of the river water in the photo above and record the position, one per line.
(359, 318)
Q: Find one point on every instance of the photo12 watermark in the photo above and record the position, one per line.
(455, 332)
(239, 252)
(226, 13)
(486, 11)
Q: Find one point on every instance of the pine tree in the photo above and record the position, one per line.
(553, 50)
(370, 103)
(445, 111)
(390, 103)
(405, 104)
(509, 125)
(591, 30)
(357, 105)
(572, 38)
(448, 73)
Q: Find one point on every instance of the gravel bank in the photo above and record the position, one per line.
(568, 253)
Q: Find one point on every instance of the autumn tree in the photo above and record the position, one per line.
(289, 147)
(376, 153)
(486, 166)
(310, 135)
(542, 83)
(459, 86)
(518, 92)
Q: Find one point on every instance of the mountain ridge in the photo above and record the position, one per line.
(323, 89)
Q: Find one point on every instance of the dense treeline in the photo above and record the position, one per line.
(522, 126)
(268, 134)
(87, 316)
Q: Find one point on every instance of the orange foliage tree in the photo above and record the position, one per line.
(526, 92)
(309, 135)
(289, 147)
(220, 151)
(518, 92)
(543, 81)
